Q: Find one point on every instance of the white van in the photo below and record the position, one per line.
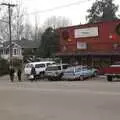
(40, 67)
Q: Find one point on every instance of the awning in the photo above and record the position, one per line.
(88, 54)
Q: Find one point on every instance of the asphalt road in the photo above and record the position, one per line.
(77, 100)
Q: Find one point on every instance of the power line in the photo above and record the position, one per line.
(58, 7)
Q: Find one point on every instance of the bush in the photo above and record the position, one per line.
(17, 63)
(4, 67)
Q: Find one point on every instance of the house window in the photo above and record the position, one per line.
(19, 51)
(15, 51)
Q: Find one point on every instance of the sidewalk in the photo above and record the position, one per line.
(7, 78)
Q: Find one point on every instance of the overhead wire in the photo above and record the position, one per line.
(58, 7)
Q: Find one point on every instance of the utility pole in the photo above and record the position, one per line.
(10, 37)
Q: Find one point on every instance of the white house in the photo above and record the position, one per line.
(19, 48)
(16, 51)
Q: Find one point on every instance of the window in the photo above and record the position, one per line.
(15, 51)
(50, 68)
(39, 65)
(48, 64)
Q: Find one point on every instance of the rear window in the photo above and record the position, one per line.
(39, 65)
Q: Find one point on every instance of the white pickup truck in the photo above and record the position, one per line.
(55, 71)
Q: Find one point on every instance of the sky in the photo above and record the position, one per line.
(40, 10)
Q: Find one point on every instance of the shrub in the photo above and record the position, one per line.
(4, 67)
(17, 63)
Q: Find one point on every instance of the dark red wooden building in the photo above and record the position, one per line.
(94, 44)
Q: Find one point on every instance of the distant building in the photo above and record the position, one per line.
(19, 48)
(94, 44)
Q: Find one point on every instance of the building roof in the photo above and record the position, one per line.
(89, 53)
(24, 43)
(87, 24)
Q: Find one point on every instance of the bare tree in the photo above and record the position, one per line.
(4, 31)
(37, 31)
(18, 21)
(27, 33)
(32, 32)
(17, 24)
(56, 22)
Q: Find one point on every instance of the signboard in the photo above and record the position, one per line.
(86, 32)
(81, 45)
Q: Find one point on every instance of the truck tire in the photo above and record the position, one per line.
(42, 75)
(95, 74)
(109, 78)
(60, 76)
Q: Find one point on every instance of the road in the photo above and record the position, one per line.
(44, 100)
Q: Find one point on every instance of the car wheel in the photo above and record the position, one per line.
(60, 76)
(95, 74)
(42, 75)
(109, 78)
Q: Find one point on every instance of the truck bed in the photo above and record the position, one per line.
(112, 70)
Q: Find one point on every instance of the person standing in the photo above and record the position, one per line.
(11, 73)
(33, 73)
(19, 72)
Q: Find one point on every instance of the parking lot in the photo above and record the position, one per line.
(92, 99)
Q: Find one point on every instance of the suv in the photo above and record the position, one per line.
(40, 67)
(55, 71)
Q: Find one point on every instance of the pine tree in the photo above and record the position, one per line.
(102, 10)
(49, 43)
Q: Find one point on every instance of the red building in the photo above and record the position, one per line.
(95, 44)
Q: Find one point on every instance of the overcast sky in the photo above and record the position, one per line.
(75, 10)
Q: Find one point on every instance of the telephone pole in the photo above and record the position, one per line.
(10, 37)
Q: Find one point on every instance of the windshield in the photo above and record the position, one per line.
(39, 65)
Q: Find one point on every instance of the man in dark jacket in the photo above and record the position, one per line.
(33, 72)
(11, 73)
(19, 72)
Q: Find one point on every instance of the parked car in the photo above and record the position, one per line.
(40, 68)
(93, 71)
(77, 73)
(55, 71)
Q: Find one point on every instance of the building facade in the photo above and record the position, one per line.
(94, 44)
(20, 48)
(16, 51)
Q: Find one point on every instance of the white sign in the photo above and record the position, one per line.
(81, 45)
(86, 32)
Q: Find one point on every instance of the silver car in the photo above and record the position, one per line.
(76, 73)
